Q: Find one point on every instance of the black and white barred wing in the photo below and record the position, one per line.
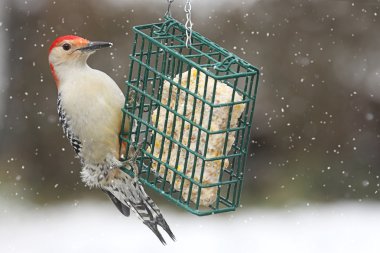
(63, 120)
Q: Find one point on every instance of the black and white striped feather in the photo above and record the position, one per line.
(135, 198)
(64, 121)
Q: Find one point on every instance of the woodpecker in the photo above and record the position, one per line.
(89, 109)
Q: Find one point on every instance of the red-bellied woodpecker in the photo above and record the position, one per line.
(89, 108)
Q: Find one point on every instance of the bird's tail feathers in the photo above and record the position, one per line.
(159, 217)
(147, 217)
(130, 194)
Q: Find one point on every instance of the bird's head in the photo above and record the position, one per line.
(72, 51)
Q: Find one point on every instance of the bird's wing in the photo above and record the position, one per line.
(125, 210)
(74, 140)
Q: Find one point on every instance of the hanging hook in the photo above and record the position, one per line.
(168, 12)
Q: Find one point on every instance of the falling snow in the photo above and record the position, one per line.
(315, 135)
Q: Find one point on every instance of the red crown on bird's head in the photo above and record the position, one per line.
(75, 39)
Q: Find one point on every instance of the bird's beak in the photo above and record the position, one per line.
(95, 45)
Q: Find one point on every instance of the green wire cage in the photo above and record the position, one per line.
(191, 111)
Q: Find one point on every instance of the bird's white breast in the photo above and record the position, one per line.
(92, 102)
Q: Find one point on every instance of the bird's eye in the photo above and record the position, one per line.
(66, 46)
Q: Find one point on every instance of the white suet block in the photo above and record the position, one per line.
(185, 104)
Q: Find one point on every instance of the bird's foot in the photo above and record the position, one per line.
(131, 163)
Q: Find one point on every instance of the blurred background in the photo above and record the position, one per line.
(313, 176)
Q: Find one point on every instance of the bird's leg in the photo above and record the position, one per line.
(132, 161)
(131, 96)
(135, 170)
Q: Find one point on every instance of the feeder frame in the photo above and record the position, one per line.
(160, 53)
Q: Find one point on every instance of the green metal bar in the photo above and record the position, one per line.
(157, 120)
(189, 139)
(228, 126)
(182, 128)
(199, 136)
(172, 71)
(256, 77)
(200, 123)
(158, 93)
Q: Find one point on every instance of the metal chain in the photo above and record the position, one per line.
(188, 24)
(168, 12)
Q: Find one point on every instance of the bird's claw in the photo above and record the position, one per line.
(132, 161)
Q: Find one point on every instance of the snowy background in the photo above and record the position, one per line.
(313, 176)
(96, 227)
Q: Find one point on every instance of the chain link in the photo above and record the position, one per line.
(189, 23)
(168, 12)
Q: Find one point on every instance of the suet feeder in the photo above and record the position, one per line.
(191, 107)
